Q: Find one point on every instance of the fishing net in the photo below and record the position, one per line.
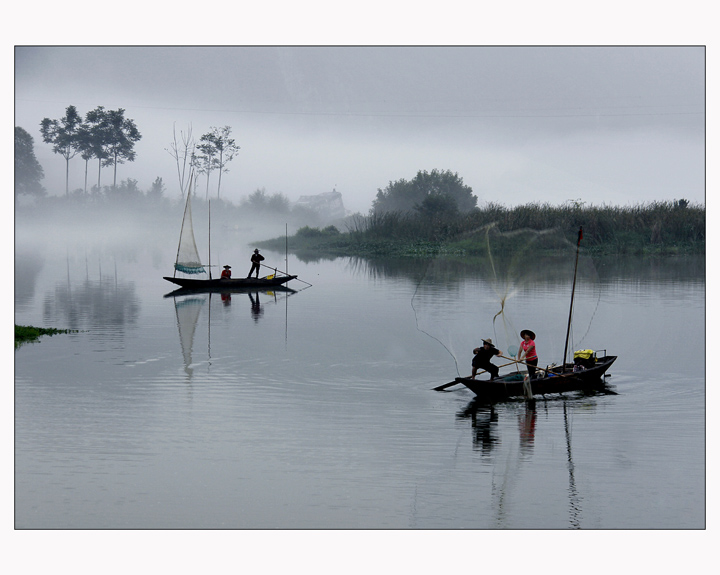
(505, 283)
(188, 258)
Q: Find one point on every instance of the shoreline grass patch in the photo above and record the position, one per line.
(32, 334)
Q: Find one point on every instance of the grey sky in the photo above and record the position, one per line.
(611, 125)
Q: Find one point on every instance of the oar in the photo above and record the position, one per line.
(282, 272)
(517, 361)
(451, 383)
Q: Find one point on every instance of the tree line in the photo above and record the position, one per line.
(109, 137)
(105, 135)
(194, 159)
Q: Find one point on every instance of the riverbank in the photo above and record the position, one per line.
(660, 228)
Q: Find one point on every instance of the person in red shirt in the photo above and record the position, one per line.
(528, 351)
(226, 273)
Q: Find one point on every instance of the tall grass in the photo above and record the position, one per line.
(652, 227)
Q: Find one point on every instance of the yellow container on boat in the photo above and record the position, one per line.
(584, 354)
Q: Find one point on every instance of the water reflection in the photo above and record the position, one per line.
(574, 499)
(187, 312)
(189, 304)
(550, 271)
(28, 265)
(485, 425)
(107, 302)
(526, 425)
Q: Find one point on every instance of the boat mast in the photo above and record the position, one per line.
(572, 297)
(209, 266)
(182, 225)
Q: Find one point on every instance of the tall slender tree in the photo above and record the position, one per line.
(62, 134)
(95, 136)
(183, 152)
(224, 148)
(204, 162)
(122, 136)
(110, 137)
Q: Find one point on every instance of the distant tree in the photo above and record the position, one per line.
(436, 205)
(183, 152)
(204, 162)
(122, 136)
(157, 189)
(398, 196)
(62, 134)
(95, 137)
(223, 149)
(28, 171)
(86, 154)
(258, 200)
(279, 203)
(110, 137)
(261, 201)
(127, 189)
(427, 192)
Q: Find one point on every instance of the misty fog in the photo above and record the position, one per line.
(612, 125)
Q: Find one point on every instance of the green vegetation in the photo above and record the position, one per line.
(28, 171)
(439, 192)
(657, 228)
(30, 334)
(106, 135)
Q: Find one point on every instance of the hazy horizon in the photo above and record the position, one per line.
(614, 125)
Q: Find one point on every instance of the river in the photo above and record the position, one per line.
(315, 409)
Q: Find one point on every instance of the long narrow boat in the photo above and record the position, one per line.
(555, 381)
(220, 284)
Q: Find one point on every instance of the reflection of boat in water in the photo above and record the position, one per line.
(187, 312)
(189, 304)
(484, 421)
(556, 380)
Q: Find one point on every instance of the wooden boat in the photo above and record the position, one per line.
(555, 380)
(224, 284)
(188, 262)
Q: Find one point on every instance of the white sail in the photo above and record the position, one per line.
(188, 258)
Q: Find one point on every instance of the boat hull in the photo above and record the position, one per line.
(506, 387)
(221, 284)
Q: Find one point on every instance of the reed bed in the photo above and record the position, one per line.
(656, 227)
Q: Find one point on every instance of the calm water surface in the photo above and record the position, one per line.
(316, 410)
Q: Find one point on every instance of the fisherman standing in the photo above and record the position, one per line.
(482, 358)
(528, 351)
(256, 258)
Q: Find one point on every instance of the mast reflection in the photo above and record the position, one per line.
(188, 304)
